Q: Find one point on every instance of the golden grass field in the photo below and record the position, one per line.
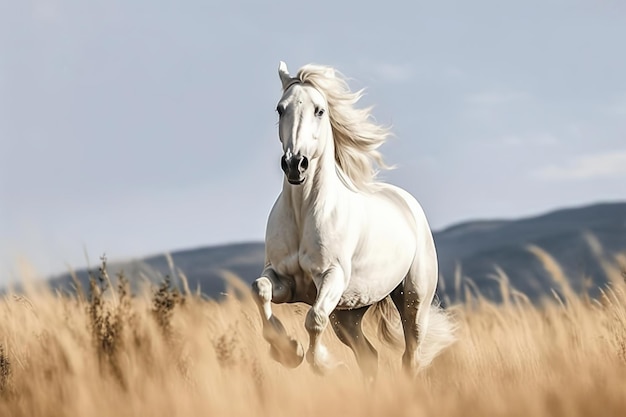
(160, 354)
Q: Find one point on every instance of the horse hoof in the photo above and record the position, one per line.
(291, 357)
(322, 363)
(326, 368)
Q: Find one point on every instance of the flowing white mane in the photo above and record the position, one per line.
(357, 138)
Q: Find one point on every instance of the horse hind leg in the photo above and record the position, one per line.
(427, 328)
(408, 305)
(347, 325)
(265, 290)
(407, 301)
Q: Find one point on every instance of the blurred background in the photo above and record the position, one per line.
(137, 128)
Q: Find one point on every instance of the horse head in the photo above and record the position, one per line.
(303, 124)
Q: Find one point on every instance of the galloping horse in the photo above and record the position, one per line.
(339, 240)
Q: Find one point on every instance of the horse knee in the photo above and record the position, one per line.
(315, 321)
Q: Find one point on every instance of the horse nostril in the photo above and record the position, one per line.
(304, 163)
(283, 164)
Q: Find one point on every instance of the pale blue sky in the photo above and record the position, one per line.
(133, 128)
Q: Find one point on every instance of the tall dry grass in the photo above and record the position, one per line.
(162, 353)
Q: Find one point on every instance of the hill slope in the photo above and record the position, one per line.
(565, 234)
(476, 246)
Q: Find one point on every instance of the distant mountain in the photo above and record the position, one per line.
(478, 246)
(204, 268)
(471, 248)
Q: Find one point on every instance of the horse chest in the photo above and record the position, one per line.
(302, 258)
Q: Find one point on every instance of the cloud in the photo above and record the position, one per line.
(496, 97)
(490, 106)
(539, 139)
(599, 165)
(397, 73)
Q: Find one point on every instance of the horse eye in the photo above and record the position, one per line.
(280, 109)
(319, 112)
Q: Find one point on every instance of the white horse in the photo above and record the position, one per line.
(341, 241)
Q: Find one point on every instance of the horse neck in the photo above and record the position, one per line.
(319, 193)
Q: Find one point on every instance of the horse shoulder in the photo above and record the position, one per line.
(281, 244)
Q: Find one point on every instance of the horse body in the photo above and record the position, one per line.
(340, 242)
(374, 255)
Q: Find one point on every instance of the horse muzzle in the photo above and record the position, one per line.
(294, 168)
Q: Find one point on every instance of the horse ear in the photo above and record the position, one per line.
(283, 73)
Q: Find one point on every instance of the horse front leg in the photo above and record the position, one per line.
(267, 289)
(330, 287)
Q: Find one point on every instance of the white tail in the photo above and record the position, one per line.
(440, 334)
